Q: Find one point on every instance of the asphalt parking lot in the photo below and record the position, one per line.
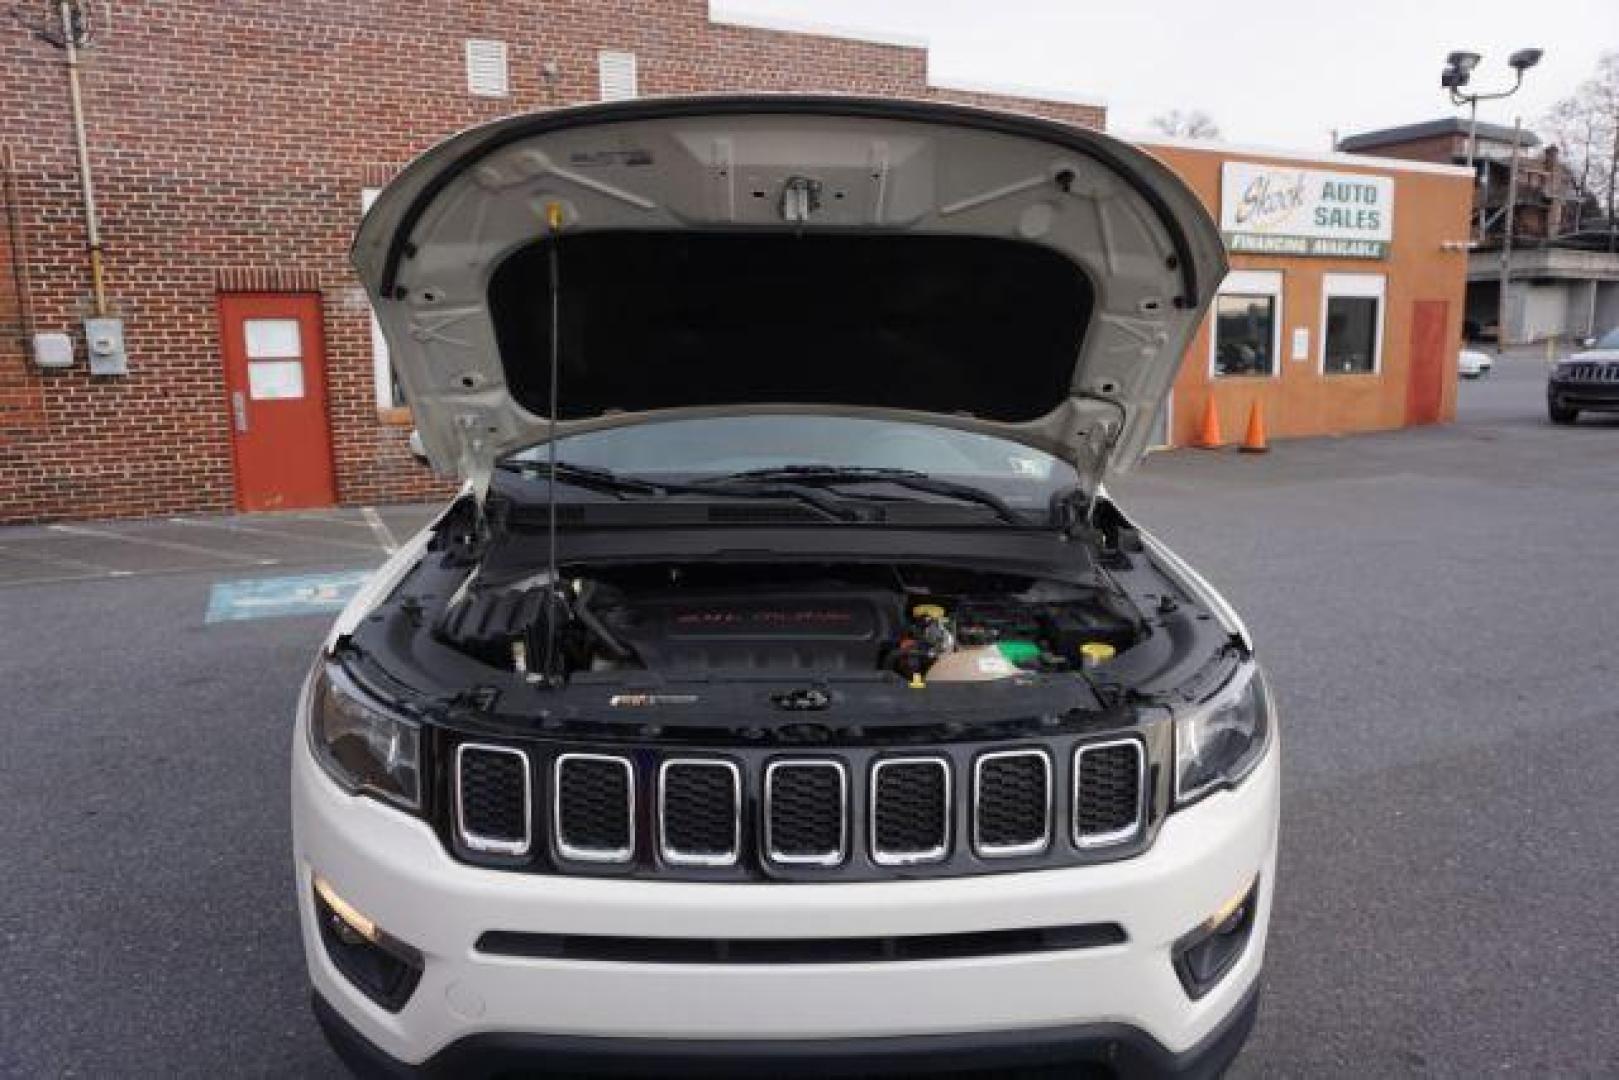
(1439, 609)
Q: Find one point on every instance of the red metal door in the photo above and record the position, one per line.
(1425, 390)
(275, 372)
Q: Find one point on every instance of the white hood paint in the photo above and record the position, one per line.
(427, 249)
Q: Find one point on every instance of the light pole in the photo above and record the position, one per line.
(1457, 73)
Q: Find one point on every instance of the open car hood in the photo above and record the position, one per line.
(723, 255)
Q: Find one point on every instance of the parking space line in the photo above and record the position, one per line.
(259, 530)
(379, 528)
(172, 545)
(62, 560)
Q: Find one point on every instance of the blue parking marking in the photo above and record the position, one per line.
(298, 594)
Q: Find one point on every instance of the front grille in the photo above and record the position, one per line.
(910, 810)
(699, 812)
(1591, 372)
(1108, 788)
(594, 810)
(493, 805)
(1012, 802)
(806, 812)
(739, 813)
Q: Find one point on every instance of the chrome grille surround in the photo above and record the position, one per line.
(592, 854)
(1590, 371)
(834, 857)
(677, 857)
(493, 844)
(1002, 851)
(1113, 836)
(912, 856)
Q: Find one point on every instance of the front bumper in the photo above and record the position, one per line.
(1583, 395)
(1119, 1049)
(1123, 1002)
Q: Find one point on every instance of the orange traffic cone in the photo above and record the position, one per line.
(1254, 442)
(1209, 438)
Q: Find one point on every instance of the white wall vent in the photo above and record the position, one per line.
(486, 68)
(616, 71)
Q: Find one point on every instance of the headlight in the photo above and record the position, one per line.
(1219, 741)
(362, 747)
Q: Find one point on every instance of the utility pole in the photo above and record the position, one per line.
(1506, 241)
(1613, 178)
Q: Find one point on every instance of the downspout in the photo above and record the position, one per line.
(92, 225)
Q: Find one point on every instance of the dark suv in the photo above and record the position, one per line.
(1588, 381)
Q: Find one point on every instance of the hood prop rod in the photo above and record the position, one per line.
(553, 220)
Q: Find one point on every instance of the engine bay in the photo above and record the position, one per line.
(739, 633)
(922, 624)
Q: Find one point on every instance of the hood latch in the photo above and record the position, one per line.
(800, 198)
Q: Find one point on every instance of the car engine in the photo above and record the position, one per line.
(921, 623)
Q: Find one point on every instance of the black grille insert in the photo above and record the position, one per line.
(594, 807)
(699, 816)
(910, 810)
(1012, 803)
(1107, 792)
(859, 950)
(805, 806)
(492, 798)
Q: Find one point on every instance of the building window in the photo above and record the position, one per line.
(1352, 324)
(486, 68)
(389, 395)
(616, 74)
(1246, 337)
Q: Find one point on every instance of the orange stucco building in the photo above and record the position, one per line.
(1343, 308)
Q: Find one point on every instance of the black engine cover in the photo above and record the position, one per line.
(798, 630)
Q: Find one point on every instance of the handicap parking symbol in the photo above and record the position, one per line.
(298, 594)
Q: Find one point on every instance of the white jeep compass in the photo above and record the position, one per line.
(783, 693)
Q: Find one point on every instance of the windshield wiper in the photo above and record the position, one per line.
(764, 487)
(585, 476)
(911, 479)
(593, 478)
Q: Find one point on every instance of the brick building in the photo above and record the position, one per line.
(232, 148)
(1343, 309)
(1564, 273)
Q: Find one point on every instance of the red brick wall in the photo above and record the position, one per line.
(234, 140)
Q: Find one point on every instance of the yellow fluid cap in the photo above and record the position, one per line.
(1097, 652)
(927, 611)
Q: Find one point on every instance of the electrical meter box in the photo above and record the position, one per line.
(104, 341)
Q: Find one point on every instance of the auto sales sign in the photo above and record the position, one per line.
(1277, 210)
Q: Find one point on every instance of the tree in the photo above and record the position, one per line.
(1192, 124)
(1585, 127)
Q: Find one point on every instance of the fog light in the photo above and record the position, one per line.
(384, 968)
(1204, 955)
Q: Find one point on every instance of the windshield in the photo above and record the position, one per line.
(720, 446)
(1610, 340)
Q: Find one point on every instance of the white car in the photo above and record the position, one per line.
(784, 692)
(1472, 364)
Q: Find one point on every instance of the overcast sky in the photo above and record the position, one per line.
(1271, 72)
